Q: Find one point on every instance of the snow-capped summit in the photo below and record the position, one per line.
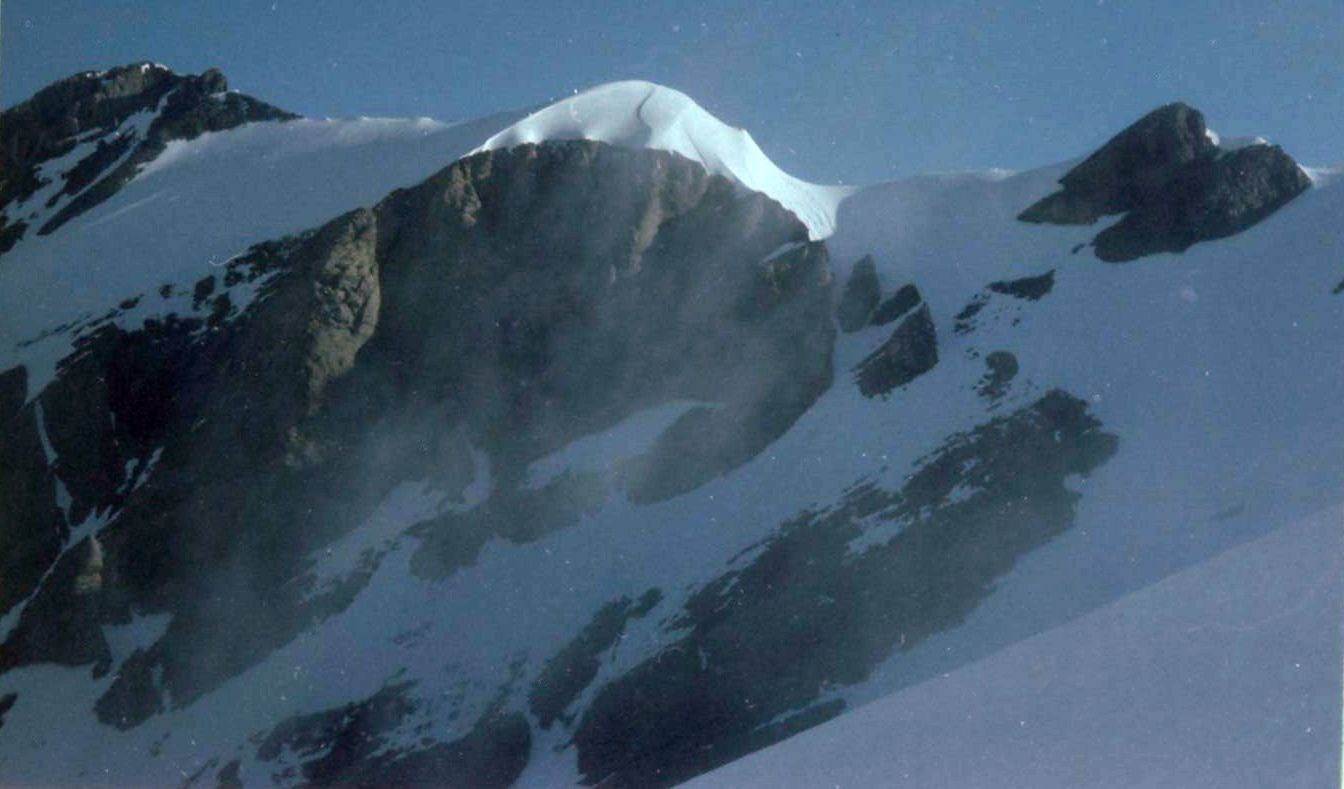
(641, 114)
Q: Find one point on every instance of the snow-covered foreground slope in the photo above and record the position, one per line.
(1157, 414)
(196, 206)
(1225, 674)
(644, 115)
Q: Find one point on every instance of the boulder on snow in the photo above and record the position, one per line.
(1175, 185)
(911, 351)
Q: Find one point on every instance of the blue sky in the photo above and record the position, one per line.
(852, 92)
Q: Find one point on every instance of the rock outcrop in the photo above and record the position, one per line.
(92, 110)
(32, 526)
(897, 305)
(1210, 199)
(349, 746)
(860, 298)
(1131, 168)
(1002, 369)
(910, 351)
(757, 652)
(1174, 184)
(1027, 288)
(571, 669)
(1019, 292)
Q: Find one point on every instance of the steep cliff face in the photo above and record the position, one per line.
(511, 303)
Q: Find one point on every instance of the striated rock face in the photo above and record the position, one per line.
(1174, 184)
(90, 116)
(511, 303)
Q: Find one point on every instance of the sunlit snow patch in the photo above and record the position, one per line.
(638, 114)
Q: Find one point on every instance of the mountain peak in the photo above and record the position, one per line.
(639, 114)
(80, 139)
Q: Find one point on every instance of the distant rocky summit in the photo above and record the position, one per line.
(1174, 184)
(96, 129)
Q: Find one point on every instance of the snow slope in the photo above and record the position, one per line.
(1223, 675)
(644, 115)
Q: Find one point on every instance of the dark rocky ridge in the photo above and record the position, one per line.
(808, 613)
(512, 302)
(1002, 369)
(573, 668)
(1131, 168)
(1174, 185)
(90, 107)
(112, 405)
(1024, 289)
